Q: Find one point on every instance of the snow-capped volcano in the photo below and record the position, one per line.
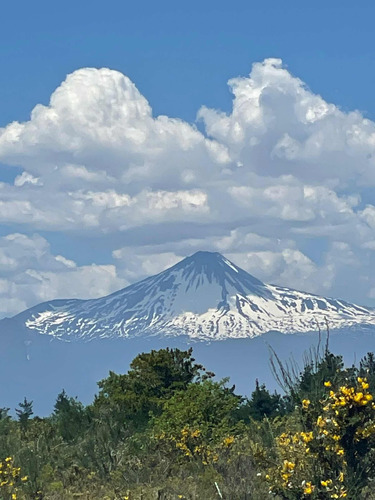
(205, 296)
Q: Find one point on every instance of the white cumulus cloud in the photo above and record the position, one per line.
(283, 184)
(31, 273)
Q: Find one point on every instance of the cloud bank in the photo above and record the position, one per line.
(282, 184)
(30, 273)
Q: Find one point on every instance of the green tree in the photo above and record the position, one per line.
(261, 404)
(153, 378)
(198, 419)
(4, 413)
(309, 382)
(70, 417)
(24, 413)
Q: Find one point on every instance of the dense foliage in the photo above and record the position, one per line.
(167, 430)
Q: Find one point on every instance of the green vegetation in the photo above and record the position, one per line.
(167, 430)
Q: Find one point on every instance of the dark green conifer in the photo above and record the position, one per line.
(24, 413)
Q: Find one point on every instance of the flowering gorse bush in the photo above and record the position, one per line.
(332, 456)
(10, 479)
(192, 444)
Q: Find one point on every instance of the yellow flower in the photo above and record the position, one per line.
(326, 483)
(340, 452)
(365, 385)
(358, 397)
(341, 477)
(328, 384)
(321, 421)
(305, 404)
(284, 439)
(24, 478)
(14, 496)
(335, 437)
(288, 466)
(228, 440)
(308, 489)
(306, 436)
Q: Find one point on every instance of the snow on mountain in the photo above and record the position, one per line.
(205, 296)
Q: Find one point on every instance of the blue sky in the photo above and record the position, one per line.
(180, 54)
(88, 215)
